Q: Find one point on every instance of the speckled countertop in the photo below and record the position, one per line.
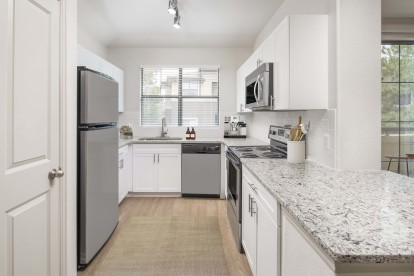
(230, 142)
(357, 217)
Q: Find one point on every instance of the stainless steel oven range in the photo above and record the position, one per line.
(277, 149)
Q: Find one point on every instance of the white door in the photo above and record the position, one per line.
(29, 137)
(169, 172)
(144, 172)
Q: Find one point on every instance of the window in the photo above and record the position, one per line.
(397, 62)
(185, 96)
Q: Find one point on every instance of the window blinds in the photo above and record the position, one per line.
(184, 96)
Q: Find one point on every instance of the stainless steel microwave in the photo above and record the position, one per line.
(259, 87)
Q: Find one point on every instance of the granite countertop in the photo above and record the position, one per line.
(356, 217)
(230, 142)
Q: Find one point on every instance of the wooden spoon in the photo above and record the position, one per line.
(298, 133)
(293, 133)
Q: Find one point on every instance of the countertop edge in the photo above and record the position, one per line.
(337, 258)
(226, 141)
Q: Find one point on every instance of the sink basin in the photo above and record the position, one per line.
(159, 138)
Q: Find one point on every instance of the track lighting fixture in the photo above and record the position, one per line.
(177, 21)
(172, 7)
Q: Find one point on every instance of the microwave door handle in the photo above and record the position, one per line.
(260, 91)
(255, 90)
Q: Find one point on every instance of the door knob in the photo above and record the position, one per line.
(56, 173)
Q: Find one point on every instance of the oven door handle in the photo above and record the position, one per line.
(232, 160)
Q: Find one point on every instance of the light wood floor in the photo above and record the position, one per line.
(133, 206)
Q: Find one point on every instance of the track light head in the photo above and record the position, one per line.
(177, 21)
(172, 7)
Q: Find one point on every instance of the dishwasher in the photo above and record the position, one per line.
(201, 169)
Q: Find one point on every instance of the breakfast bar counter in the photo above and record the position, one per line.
(361, 217)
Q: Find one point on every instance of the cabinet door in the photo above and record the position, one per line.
(308, 36)
(120, 179)
(88, 59)
(144, 172)
(268, 244)
(241, 84)
(169, 172)
(128, 169)
(282, 66)
(248, 226)
(106, 68)
(118, 75)
(269, 48)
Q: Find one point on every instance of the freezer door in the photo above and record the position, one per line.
(98, 98)
(98, 190)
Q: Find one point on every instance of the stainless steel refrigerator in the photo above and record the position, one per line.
(97, 162)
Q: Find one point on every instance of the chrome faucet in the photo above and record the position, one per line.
(164, 130)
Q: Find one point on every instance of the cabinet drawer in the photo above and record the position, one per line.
(157, 148)
(269, 203)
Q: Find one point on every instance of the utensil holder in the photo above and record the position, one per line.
(296, 151)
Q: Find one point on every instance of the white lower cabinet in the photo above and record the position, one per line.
(125, 173)
(169, 172)
(144, 172)
(260, 227)
(157, 168)
(268, 245)
(249, 226)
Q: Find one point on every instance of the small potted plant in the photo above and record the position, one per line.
(126, 132)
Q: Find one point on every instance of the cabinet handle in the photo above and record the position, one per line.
(158, 158)
(252, 209)
(250, 203)
(254, 188)
(154, 157)
(121, 164)
(258, 62)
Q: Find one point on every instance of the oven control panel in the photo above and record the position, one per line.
(279, 133)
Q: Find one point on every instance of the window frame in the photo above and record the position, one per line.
(180, 95)
(398, 43)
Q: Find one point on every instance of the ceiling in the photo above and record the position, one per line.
(146, 23)
(398, 8)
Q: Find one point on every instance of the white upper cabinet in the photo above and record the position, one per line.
(96, 63)
(298, 49)
(268, 49)
(301, 63)
(265, 53)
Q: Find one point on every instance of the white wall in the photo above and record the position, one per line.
(130, 60)
(89, 42)
(359, 84)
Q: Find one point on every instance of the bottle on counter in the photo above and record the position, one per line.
(188, 134)
(193, 134)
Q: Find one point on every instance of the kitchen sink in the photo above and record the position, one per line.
(159, 138)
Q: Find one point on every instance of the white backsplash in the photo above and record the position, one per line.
(132, 119)
(322, 124)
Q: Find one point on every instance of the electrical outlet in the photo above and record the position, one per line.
(325, 141)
